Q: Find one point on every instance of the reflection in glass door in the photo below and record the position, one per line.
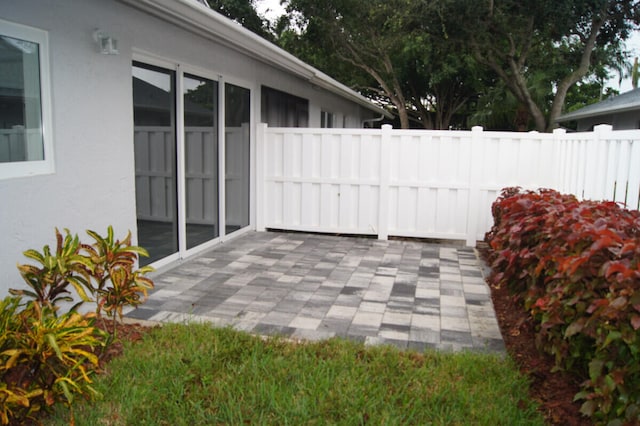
(176, 137)
(237, 159)
(201, 159)
(155, 161)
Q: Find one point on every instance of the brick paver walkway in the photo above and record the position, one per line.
(405, 293)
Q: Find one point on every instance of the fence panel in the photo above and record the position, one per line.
(433, 184)
(321, 181)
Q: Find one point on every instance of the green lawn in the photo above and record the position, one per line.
(194, 374)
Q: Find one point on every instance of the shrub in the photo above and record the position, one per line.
(47, 356)
(104, 270)
(574, 267)
(50, 280)
(113, 279)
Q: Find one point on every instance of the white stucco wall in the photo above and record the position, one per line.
(92, 186)
(93, 183)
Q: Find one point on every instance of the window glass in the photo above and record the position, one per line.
(237, 156)
(22, 104)
(280, 109)
(201, 159)
(327, 120)
(154, 100)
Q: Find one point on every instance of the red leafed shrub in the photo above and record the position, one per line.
(574, 266)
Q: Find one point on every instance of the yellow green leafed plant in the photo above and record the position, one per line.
(45, 357)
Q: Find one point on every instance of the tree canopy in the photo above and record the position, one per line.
(526, 42)
(244, 13)
(512, 64)
(432, 58)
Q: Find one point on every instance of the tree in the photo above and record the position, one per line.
(524, 40)
(387, 50)
(244, 13)
(441, 78)
(368, 36)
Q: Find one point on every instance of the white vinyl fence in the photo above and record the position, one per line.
(20, 144)
(428, 184)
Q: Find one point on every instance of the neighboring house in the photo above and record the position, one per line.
(622, 112)
(141, 114)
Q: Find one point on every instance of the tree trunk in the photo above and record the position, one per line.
(582, 70)
(404, 118)
(391, 88)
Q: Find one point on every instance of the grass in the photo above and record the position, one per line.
(194, 374)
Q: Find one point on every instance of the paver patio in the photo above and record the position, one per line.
(307, 286)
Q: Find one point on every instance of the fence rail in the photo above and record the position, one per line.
(429, 184)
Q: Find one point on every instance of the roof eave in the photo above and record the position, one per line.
(577, 115)
(197, 18)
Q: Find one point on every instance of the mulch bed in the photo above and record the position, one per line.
(554, 392)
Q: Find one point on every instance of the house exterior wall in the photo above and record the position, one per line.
(93, 184)
(628, 120)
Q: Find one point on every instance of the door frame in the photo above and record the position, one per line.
(180, 69)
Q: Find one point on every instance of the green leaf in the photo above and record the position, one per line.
(54, 345)
(140, 250)
(575, 327)
(581, 395)
(595, 369)
(612, 336)
(67, 392)
(588, 408)
(35, 255)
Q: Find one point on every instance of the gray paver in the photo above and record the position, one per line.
(410, 294)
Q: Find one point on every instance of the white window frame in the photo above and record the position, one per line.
(325, 117)
(34, 167)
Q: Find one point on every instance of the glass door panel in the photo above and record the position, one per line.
(155, 160)
(237, 159)
(201, 159)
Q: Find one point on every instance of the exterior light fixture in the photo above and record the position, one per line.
(107, 45)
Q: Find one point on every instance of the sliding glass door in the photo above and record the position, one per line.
(237, 159)
(155, 160)
(177, 159)
(201, 159)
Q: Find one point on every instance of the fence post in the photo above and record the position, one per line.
(477, 139)
(385, 171)
(261, 134)
(618, 166)
(558, 157)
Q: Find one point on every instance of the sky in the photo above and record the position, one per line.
(272, 9)
(269, 8)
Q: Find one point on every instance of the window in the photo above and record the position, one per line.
(280, 109)
(327, 120)
(25, 123)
